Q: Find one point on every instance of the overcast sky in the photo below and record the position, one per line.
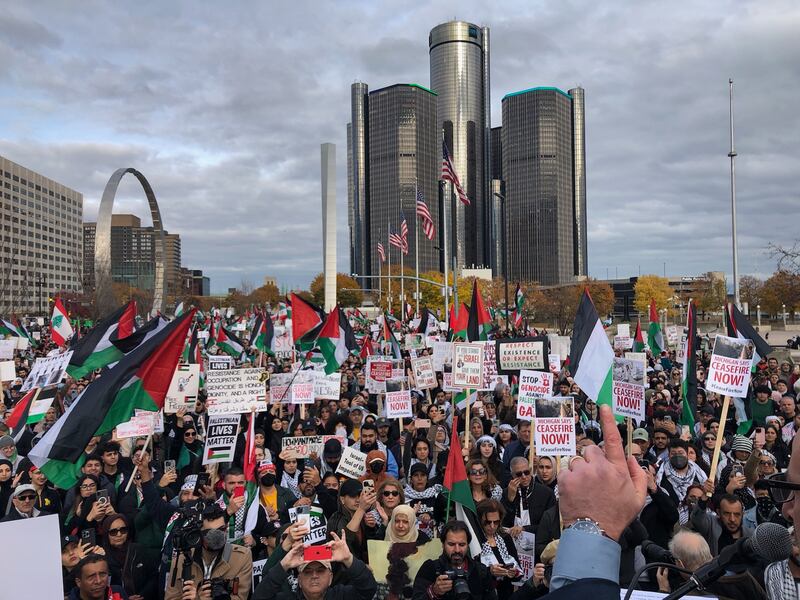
(223, 107)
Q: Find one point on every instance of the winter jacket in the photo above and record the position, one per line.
(361, 585)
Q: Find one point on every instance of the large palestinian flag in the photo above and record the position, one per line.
(229, 343)
(263, 335)
(306, 318)
(95, 349)
(459, 492)
(638, 338)
(689, 374)
(140, 380)
(390, 339)
(655, 339)
(480, 323)
(336, 340)
(591, 358)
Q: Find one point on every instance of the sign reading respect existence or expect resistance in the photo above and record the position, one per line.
(522, 353)
(235, 391)
(729, 369)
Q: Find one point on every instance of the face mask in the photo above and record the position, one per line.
(376, 467)
(214, 539)
(678, 461)
(341, 431)
(765, 504)
(268, 480)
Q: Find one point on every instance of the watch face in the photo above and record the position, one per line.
(586, 526)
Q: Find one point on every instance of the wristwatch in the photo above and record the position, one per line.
(587, 525)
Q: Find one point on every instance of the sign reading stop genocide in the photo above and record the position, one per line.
(532, 385)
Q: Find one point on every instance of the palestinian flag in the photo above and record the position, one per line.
(519, 301)
(638, 338)
(189, 346)
(250, 477)
(28, 411)
(480, 323)
(263, 336)
(305, 317)
(427, 322)
(8, 328)
(95, 349)
(140, 380)
(459, 320)
(196, 357)
(284, 311)
(655, 339)
(336, 340)
(591, 358)
(366, 347)
(212, 333)
(130, 342)
(689, 373)
(229, 343)
(389, 338)
(459, 492)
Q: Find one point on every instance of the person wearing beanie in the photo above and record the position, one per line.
(369, 441)
(762, 405)
(485, 450)
(740, 473)
(354, 503)
(8, 450)
(376, 467)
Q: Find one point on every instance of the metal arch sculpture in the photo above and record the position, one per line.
(104, 293)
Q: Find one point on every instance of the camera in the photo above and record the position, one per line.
(652, 552)
(459, 578)
(186, 536)
(221, 589)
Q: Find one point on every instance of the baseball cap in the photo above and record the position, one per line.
(332, 448)
(351, 488)
(383, 422)
(640, 434)
(189, 483)
(324, 563)
(25, 487)
(308, 425)
(418, 468)
(66, 540)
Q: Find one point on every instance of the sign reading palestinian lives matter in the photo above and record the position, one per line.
(522, 353)
(182, 392)
(352, 464)
(532, 385)
(220, 439)
(314, 517)
(555, 426)
(303, 446)
(442, 355)
(328, 387)
(302, 391)
(489, 367)
(7, 348)
(398, 404)
(467, 365)
(279, 387)
(628, 388)
(424, 375)
(235, 391)
(47, 371)
(729, 370)
(219, 362)
(554, 362)
(380, 370)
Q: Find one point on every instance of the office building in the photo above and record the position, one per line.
(543, 158)
(393, 152)
(328, 188)
(459, 68)
(194, 283)
(41, 240)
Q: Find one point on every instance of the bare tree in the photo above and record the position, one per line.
(246, 286)
(788, 257)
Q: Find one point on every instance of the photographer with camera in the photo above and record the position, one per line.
(217, 569)
(454, 575)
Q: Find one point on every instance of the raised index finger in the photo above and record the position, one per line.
(612, 441)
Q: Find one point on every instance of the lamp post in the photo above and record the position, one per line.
(41, 279)
(758, 315)
(783, 314)
(505, 253)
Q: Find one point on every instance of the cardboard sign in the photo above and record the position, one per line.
(304, 446)
(235, 391)
(398, 404)
(352, 464)
(447, 383)
(442, 356)
(182, 392)
(302, 389)
(220, 439)
(47, 371)
(8, 371)
(380, 370)
(622, 342)
(140, 425)
(628, 388)
(424, 375)
(522, 353)
(729, 370)
(35, 561)
(555, 426)
(554, 362)
(467, 365)
(328, 387)
(7, 348)
(640, 356)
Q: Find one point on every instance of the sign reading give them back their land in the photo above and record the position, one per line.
(729, 370)
(221, 438)
(467, 365)
(235, 391)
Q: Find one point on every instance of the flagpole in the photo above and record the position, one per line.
(389, 250)
(380, 281)
(402, 287)
(144, 449)
(416, 241)
(443, 223)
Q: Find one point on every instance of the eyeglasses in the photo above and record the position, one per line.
(766, 463)
(26, 498)
(781, 490)
(88, 486)
(524, 473)
(710, 438)
(118, 531)
(477, 471)
(491, 522)
(387, 493)
(189, 434)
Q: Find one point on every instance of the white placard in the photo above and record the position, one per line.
(182, 392)
(447, 383)
(283, 345)
(624, 330)
(302, 390)
(37, 335)
(622, 342)
(628, 388)
(258, 571)
(305, 445)
(532, 385)
(235, 391)
(47, 371)
(442, 355)
(672, 334)
(328, 387)
(554, 362)
(36, 558)
(22, 343)
(640, 356)
(220, 438)
(729, 369)
(490, 376)
(352, 464)
(398, 404)
(424, 374)
(8, 371)
(7, 348)
(279, 387)
(415, 341)
(555, 426)
(467, 365)
(140, 425)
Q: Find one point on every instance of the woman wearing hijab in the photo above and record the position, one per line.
(6, 487)
(405, 538)
(439, 437)
(187, 449)
(131, 565)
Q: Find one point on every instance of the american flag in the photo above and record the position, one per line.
(425, 214)
(449, 174)
(404, 232)
(381, 252)
(395, 240)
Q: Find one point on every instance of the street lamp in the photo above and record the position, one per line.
(758, 315)
(41, 279)
(505, 253)
(783, 314)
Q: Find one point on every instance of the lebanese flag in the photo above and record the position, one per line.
(60, 328)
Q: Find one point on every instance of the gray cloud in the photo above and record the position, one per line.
(224, 111)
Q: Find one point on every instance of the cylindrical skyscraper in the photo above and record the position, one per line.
(459, 68)
(358, 181)
(580, 253)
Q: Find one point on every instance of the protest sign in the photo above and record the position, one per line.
(304, 446)
(559, 344)
(352, 464)
(447, 383)
(7, 348)
(235, 391)
(202, 335)
(315, 519)
(182, 392)
(328, 387)
(22, 343)
(258, 571)
(532, 385)
(424, 375)
(220, 438)
(554, 362)
(279, 387)
(219, 362)
(467, 365)
(672, 335)
(139, 425)
(302, 390)
(555, 426)
(398, 404)
(415, 341)
(522, 353)
(442, 355)
(37, 335)
(35, 562)
(490, 375)
(7, 370)
(624, 330)
(526, 545)
(640, 356)
(283, 344)
(46, 371)
(380, 370)
(622, 342)
(729, 370)
(627, 388)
